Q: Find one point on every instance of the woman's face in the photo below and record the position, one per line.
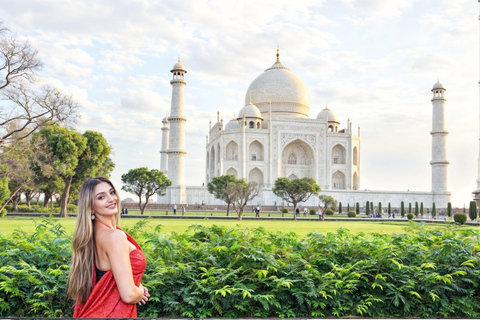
(105, 202)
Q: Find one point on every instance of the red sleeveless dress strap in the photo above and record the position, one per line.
(104, 300)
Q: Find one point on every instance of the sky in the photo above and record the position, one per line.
(373, 61)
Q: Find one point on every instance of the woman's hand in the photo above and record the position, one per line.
(145, 296)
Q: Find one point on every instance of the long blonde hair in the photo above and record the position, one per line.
(80, 281)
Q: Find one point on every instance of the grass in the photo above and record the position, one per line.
(302, 228)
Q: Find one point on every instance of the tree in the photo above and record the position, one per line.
(434, 210)
(367, 208)
(416, 209)
(18, 60)
(409, 207)
(472, 211)
(380, 208)
(4, 194)
(328, 202)
(218, 187)
(240, 192)
(340, 207)
(449, 211)
(26, 111)
(357, 209)
(389, 209)
(421, 209)
(402, 209)
(295, 190)
(145, 183)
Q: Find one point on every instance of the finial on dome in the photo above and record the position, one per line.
(250, 97)
(234, 115)
(326, 105)
(278, 53)
(179, 59)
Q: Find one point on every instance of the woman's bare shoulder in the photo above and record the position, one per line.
(111, 236)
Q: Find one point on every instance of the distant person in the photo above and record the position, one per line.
(297, 212)
(319, 213)
(183, 210)
(107, 263)
(123, 211)
(174, 209)
(305, 211)
(126, 210)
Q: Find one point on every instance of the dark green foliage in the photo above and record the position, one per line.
(472, 211)
(357, 208)
(380, 208)
(284, 210)
(371, 205)
(218, 187)
(449, 210)
(216, 272)
(402, 209)
(409, 207)
(460, 218)
(389, 208)
(71, 208)
(421, 208)
(329, 212)
(367, 208)
(348, 207)
(351, 214)
(416, 209)
(410, 216)
(434, 210)
(312, 212)
(340, 207)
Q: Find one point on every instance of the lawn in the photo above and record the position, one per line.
(9, 224)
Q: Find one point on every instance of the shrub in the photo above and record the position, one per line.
(472, 211)
(329, 212)
(460, 218)
(351, 214)
(410, 216)
(71, 208)
(3, 213)
(284, 210)
(312, 211)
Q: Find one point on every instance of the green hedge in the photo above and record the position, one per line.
(212, 272)
(460, 218)
(351, 214)
(71, 208)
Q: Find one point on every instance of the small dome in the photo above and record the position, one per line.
(438, 85)
(250, 111)
(232, 125)
(332, 117)
(178, 67)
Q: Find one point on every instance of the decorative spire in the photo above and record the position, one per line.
(326, 105)
(250, 97)
(178, 59)
(278, 53)
(234, 115)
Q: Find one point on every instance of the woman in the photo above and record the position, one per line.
(107, 264)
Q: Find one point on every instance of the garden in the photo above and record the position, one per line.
(236, 271)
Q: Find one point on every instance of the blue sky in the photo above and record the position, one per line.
(373, 61)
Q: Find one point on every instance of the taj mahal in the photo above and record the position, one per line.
(273, 136)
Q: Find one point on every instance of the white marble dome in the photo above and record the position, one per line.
(232, 125)
(327, 113)
(250, 111)
(178, 67)
(438, 85)
(280, 87)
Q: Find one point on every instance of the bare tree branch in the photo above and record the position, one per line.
(17, 58)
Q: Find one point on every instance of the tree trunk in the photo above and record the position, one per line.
(240, 215)
(64, 199)
(28, 197)
(144, 206)
(46, 198)
(16, 200)
(295, 211)
(228, 208)
(9, 199)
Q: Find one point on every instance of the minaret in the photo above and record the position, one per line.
(439, 141)
(164, 150)
(176, 146)
(476, 193)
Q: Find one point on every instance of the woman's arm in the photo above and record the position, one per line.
(117, 249)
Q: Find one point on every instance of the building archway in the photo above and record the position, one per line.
(339, 154)
(355, 156)
(232, 151)
(256, 151)
(256, 175)
(338, 180)
(298, 159)
(232, 171)
(355, 181)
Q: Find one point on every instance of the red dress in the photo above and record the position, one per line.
(104, 300)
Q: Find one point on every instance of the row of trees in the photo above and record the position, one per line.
(238, 192)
